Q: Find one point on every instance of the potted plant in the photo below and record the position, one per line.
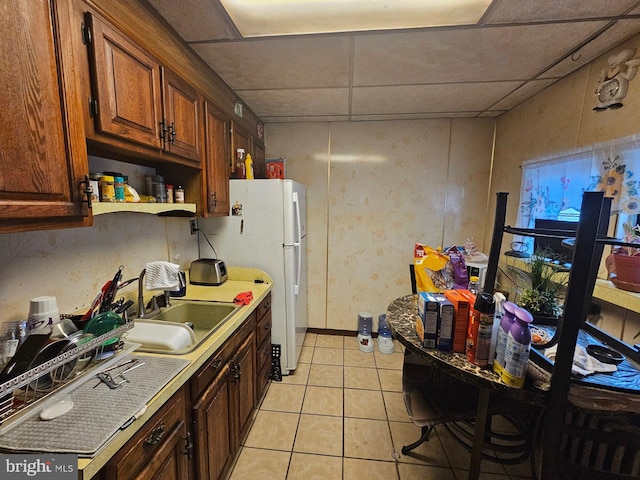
(540, 286)
(623, 265)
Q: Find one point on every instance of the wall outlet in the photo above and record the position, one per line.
(193, 225)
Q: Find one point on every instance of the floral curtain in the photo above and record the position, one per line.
(552, 186)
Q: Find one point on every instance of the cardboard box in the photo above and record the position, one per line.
(462, 310)
(275, 168)
(428, 313)
(446, 320)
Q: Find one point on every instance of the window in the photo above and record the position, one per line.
(552, 186)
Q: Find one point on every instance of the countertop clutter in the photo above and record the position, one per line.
(171, 370)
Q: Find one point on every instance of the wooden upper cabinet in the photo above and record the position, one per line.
(240, 138)
(126, 84)
(181, 107)
(135, 99)
(42, 152)
(259, 161)
(216, 162)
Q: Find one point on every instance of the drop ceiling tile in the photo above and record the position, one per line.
(414, 116)
(440, 98)
(307, 119)
(196, 19)
(526, 91)
(491, 113)
(621, 31)
(280, 63)
(516, 11)
(485, 54)
(298, 102)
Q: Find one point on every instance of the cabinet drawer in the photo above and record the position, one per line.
(211, 369)
(264, 306)
(214, 365)
(263, 329)
(264, 353)
(147, 442)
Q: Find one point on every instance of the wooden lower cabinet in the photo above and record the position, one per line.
(199, 438)
(161, 450)
(263, 340)
(223, 400)
(213, 428)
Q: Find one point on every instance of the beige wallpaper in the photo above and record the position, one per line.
(73, 264)
(562, 118)
(374, 189)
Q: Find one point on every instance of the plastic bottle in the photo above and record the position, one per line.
(118, 187)
(506, 321)
(169, 193)
(159, 191)
(240, 165)
(497, 318)
(249, 167)
(385, 342)
(474, 284)
(517, 352)
(365, 325)
(480, 330)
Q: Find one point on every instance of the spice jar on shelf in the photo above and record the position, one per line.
(179, 194)
(107, 189)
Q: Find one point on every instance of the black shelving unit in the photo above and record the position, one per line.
(588, 244)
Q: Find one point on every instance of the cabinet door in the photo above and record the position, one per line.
(42, 152)
(217, 162)
(259, 164)
(243, 374)
(240, 138)
(211, 416)
(126, 83)
(170, 461)
(159, 450)
(181, 110)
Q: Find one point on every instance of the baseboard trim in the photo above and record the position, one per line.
(335, 332)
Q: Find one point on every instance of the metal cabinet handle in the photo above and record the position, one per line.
(216, 363)
(236, 373)
(188, 448)
(172, 133)
(87, 191)
(267, 326)
(156, 435)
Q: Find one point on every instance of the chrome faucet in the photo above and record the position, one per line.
(141, 313)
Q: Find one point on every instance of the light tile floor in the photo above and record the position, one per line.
(341, 416)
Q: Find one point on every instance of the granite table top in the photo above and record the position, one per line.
(402, 314)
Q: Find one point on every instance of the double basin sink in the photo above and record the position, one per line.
(181, 327)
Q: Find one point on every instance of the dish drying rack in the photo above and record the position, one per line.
(20, 396)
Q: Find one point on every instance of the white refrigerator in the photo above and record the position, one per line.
(267, 229)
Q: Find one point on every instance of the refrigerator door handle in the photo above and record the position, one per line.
(298, 242)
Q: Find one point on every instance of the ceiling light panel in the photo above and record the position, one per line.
(260, 18)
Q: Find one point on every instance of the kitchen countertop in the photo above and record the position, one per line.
(240, 279)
